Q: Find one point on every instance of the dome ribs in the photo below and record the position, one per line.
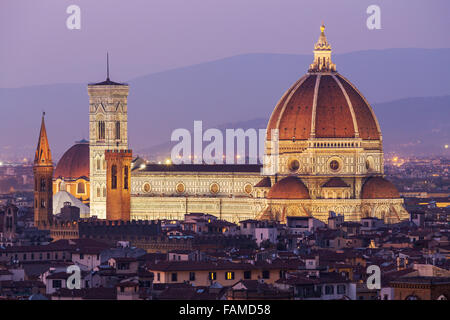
(292, 115)
(368, 127)
(333, 116)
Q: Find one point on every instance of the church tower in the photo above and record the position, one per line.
(43, 178)
(107, 131)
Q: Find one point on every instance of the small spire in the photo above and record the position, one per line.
(43, 155)
(322, 54)
(107, 66)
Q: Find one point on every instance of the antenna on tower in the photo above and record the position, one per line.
(107, 66)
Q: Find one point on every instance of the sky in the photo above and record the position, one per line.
(147, 36)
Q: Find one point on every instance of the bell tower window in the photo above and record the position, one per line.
(114, 177)
(101, 130)
(125, 177)
(42, 185)
(117, 130)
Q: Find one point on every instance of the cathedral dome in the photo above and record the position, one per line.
(289, 188)
(74, 163)
(379, 188)
(323, 104)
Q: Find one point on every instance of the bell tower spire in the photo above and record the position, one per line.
(107, 66)
(43, 180)
(43, 155)
(322, 54)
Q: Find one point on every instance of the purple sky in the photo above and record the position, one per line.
(145, 36)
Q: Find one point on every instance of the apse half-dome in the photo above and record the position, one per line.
(379, 188)
(289, 188)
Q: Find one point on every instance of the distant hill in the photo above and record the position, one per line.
(413, 126)
(229, 90)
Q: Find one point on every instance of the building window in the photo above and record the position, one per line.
(212, 276)
(229, 275)
(114, 177)
(42, 184)
(57, 283)
(174, 277)
(42, 203)
(158, 276)
(104, 192)
(329, 289)
(334, 165)
(180, 188)
(147, 187)
(191, 276)
(80, 188)
(294, 165)
(125, 177)
(98, 192)
(319, 290)
(101, 130)
(341, 289)
(266, 274)
(247, 275)
(117, 130)
(214, 188)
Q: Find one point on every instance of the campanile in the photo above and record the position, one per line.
(107, 131)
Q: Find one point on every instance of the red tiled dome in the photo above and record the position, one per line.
(379, 188)
(289, 188)
(340, 111)
(74, 163)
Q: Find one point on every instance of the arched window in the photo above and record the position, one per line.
(104, 192)
(98, 164)
(101, 130)
(98, 192)
(117, 130)
(42, 184)
(114, 177)
(80, 188)
(125, 177)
